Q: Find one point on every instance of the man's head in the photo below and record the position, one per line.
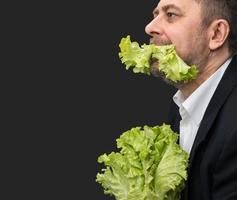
(200, 29)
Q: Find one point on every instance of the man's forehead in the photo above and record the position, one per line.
(175, 1)
(181, 4)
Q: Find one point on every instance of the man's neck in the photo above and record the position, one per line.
(214, 63)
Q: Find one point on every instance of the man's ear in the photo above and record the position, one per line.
(218, 32)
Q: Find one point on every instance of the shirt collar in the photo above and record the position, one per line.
(195, 105)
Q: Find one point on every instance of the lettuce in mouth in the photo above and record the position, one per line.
(139, 58)
(149, 166)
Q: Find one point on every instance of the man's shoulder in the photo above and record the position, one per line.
(232, 99)
(228, 112)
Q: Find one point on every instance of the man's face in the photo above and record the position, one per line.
(179, 22)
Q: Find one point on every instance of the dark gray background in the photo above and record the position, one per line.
(114, 99)
(85, 96)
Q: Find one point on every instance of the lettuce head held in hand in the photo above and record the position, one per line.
(149, 166)
(167, 62)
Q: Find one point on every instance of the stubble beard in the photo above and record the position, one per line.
(196, 56)
(154, 69)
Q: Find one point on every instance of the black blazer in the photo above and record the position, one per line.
(212, 172)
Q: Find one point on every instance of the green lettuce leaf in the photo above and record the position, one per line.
(139, 59)
(149, 166)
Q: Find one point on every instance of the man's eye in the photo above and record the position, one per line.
(170, 14)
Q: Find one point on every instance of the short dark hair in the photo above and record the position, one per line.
(221, 9)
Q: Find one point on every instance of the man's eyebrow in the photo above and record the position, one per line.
(165, 8)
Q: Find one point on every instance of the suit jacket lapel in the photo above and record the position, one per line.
(174, 117)
(228, 81)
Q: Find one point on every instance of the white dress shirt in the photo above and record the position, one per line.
(193, 108)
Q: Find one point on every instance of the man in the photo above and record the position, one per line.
(204, 111)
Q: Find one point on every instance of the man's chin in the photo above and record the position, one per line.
(154, 69)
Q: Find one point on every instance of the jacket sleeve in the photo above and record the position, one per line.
(225, 173)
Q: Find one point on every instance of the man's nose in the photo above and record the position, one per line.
(154, 27)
